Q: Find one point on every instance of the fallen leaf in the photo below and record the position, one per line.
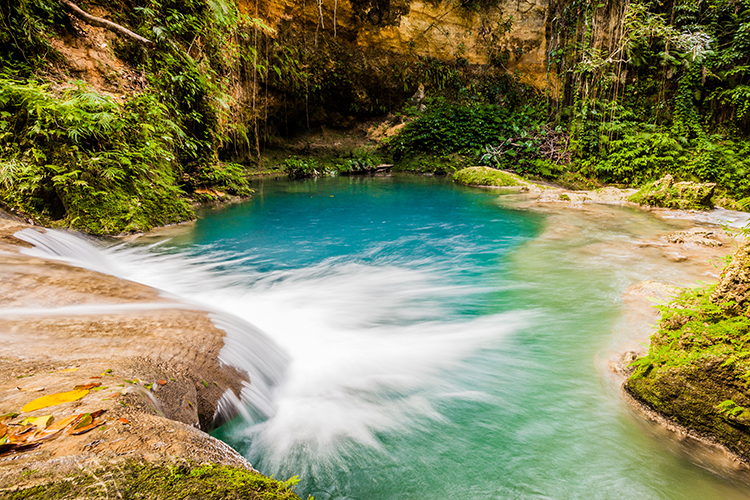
(8, 416)
(99, 388)
(85, 420)
(95, 376)
(30, 389)
(88, 386)
(123, 420)
(91, 426)
(20, 434)
(8, 448)
(62, 424)
(40, 422)
(68, 370)
(54, 399)
(162, 382)
(3, 431)
(97, 413)
(44, 435)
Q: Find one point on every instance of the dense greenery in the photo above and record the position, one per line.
(83, 160)
(73, 156)
(135, 480)
(663, 90)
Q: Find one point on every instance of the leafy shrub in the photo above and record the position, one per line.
(301, 168)
(86, 161)
(362, 160)
(460, 128)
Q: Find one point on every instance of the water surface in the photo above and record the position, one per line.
(441, 343)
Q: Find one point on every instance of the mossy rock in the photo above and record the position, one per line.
(697, 370)
(182, 480)
(676, 195)
(485, 176)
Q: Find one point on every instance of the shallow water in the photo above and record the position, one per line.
(443, 342)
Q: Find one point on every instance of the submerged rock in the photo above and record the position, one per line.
(677, 195)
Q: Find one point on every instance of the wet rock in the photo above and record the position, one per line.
(623, 364)
(696, 235)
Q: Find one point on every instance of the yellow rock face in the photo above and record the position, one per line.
(443, 29)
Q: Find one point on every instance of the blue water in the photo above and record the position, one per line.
(443, 341)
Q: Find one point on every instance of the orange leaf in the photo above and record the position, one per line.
(84, 430)
(162, 382)
(61, 424)
(54, 399)
(123, 420)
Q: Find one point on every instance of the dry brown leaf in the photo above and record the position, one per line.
(20, 434)
(54, 399)
(162, 382)
(43, 435)
(8, 448)
(88, 386)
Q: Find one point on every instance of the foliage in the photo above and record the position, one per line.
(461, 128)
(24, 46)
(362, 160)
(484, 176)
(86, 161)
(662, 89)
(301, 168)
(693, 328)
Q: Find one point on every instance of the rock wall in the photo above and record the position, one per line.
(444, 30)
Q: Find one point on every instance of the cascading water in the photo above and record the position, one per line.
(436, 343)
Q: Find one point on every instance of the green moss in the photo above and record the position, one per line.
(485, 176)
(698, 368)
(677, 195)
(135, 480)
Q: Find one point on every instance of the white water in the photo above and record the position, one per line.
(368, 345)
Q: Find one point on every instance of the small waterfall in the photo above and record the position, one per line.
(246, 347)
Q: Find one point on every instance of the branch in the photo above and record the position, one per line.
(103, 23)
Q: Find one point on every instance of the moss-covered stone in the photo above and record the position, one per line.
(677, 195)
(182, 480)
(485, 176)
(697, 370)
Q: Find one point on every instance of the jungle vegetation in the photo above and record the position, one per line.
(647, 88)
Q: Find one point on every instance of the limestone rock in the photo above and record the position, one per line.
(733, 290)
(684, 195)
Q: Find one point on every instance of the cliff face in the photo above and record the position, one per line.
(445, 30)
